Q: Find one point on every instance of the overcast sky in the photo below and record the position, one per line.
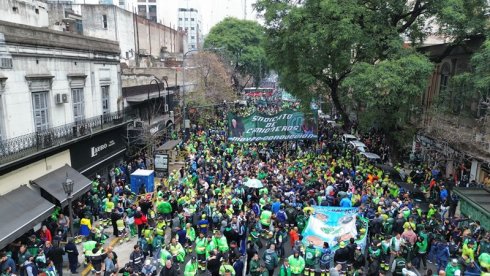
(212, 11)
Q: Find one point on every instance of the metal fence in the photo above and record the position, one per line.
(21, 146)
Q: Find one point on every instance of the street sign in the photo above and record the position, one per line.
(161, 164)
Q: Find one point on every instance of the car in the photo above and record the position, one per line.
(357, 145)
(346, 138)
(416, 194)
(372, 157)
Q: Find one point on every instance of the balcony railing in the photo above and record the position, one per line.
(21, 146)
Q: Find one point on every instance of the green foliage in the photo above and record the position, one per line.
(242, 42)
(388, 92)
(352, 50)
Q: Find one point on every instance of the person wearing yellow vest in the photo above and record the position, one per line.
(297, 264)
(265, 218)
(201, 244)
(191, 267)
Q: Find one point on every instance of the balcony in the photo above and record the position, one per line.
(22, 146)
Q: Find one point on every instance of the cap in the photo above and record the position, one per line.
(148, 262)
(454, 261)
(342, 244)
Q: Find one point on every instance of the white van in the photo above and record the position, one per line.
(346, 138)
(373, 157)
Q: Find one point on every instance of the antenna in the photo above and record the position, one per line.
(244, 9)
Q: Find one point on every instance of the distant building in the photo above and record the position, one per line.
(189, 21)
(148, 9)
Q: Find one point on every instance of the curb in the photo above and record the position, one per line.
(87, 269)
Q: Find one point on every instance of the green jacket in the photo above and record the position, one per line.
(270, 259)
(285, 271)
(190, 268)
(164, 208)
(226, 267)
(254, 268)
(297, 264)
(201, 244)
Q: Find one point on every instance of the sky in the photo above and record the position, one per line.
(212, 11)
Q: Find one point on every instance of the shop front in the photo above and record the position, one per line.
(99, 154)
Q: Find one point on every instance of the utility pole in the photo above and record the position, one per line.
(244, 9)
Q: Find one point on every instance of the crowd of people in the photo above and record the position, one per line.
(204, 218)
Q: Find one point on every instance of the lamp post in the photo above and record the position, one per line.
(68, 188)
(158, 85)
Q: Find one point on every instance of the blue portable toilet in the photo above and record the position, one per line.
(145, 178)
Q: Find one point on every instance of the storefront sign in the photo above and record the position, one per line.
(97, 148)
(286, 125)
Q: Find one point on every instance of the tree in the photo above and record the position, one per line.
(214, 87)
(242, 43)
(316, 45)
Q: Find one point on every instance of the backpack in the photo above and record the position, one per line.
(400, 264)
(216, 218)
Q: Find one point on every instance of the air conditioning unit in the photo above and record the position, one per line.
(166, 108)
(138, 124)
(64, 97)
(58, 99)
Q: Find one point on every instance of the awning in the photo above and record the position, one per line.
(52, 187)
(169, 145)
(22, 209)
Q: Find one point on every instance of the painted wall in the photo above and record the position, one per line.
(14, 179)
(27, 12)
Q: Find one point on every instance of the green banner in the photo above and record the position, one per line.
(286, 125)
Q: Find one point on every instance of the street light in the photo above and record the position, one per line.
(183, 79)
(68, 188)
(157, 82)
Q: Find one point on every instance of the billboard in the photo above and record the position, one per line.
(286, 125)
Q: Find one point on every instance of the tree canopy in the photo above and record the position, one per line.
(355, 52)
(242, 42)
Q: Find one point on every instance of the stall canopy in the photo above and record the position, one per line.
(22, 209)
(52, 188)
(169, 145)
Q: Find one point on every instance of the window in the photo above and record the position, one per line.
(192, 19)
(193, 46)
(105, 99)
(40, 109)
(186, 19)
(104, 21)
(2, 135)
(180, 18)
(192, 28)
(142, 10)
(193, 37)
(78, 104)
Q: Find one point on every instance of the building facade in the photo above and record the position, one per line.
(455, 132)
(189, 21)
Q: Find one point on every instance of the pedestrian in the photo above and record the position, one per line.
(72, 252)
(136, 259)
(270, 259)
(168, 269)
(56, 255)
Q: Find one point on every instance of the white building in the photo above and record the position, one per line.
(149, 10)
(27, 12)
(50, 79)
(189, 20)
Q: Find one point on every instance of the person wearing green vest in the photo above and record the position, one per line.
(210, 246)
(191, 267)
(265, 218)
(398, 265)
(297, 264)
(190, 236)
(165, 208)
(453, 269)
(226, 268)
(255, 269)
(311, 256)
(201, 244)
(422, 251)
(220, 242)
(285, 269)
